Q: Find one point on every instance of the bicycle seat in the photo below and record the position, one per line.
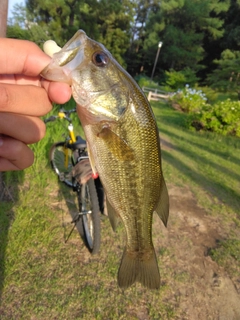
(79, 144)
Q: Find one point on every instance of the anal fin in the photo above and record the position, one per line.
(162, 208)
(112, 215)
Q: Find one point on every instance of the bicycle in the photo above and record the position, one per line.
(69, 160)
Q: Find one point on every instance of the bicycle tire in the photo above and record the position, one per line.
(89, 224)
(57, 157)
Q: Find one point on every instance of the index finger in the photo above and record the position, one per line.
(26, 59)
(21, 57)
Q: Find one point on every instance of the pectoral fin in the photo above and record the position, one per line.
(113, 217)
(162, 208)
(116, 145)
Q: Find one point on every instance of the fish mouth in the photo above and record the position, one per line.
(66, 60)
(71, 49)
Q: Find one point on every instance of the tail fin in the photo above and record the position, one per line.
(143, 269)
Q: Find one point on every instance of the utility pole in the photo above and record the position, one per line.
(156, 59)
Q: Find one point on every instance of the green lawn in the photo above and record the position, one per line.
(205, 160)
(42, 277)
(210, 164)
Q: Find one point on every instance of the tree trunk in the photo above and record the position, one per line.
(3, 17)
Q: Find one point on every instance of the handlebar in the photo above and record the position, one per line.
(62, 114)
(52, 118)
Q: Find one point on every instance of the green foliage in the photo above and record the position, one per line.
(222, 117)
(188, 99)
(183, 27)
(114, 20)
(23, 26)
(106, 21)
(227, 76)
(175, 79)
(144, 81)
(178, 79)
(193, 32)
(231, 39)
(16, 32)
(211, 94)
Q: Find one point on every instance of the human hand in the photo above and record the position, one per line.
(24, 97)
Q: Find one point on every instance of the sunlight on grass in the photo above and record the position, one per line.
(42, 277)
(210, 162)
(210, 165)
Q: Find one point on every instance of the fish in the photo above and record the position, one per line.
(124, 148)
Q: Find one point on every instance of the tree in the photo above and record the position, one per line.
(231, 39)
(103, 20)
(193, 32)
(226, 77)
(20, 27)
(182, 25)
(113, 22)
(135, 55)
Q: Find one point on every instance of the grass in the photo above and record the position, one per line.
(210, 164)
(42, 277)
(206, 160)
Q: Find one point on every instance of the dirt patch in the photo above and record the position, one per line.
(196, 286)
(200, 289)
(166, 145)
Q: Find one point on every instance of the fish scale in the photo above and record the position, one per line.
(124, 148)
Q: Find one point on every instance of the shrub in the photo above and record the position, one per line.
(189, 100)
(178, 79)
(144, 81)
(222, 117)
(210, 94)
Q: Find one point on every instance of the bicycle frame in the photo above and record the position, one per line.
(78, 176)
(71, 141)
(72, 137)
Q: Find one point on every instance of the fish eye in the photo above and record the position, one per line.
(100, 59)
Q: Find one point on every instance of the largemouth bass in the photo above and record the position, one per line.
(124, 148)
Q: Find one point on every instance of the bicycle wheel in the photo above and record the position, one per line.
(57, 159)
(89, 224)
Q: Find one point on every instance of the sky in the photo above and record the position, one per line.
(11, 3)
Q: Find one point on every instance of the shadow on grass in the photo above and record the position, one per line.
(9, 197)
(226, 155)
(191, 145)
(222, 192)
(197, 157)
(70, 199)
